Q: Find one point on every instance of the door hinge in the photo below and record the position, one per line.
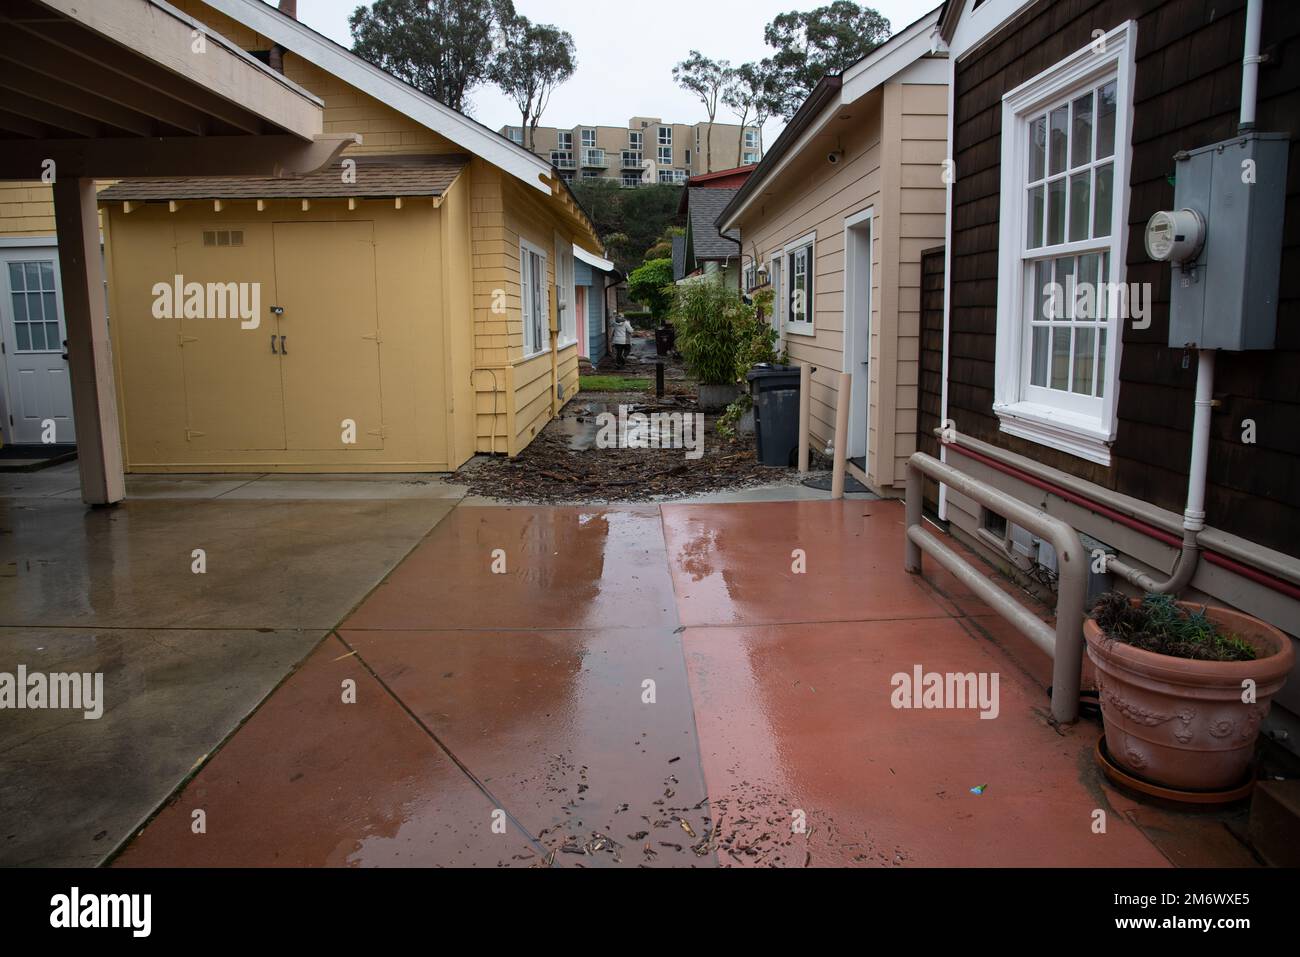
(182, 339)
(191, 433)
(375, 337)
(382, 432)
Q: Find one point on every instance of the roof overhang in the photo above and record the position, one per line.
(896, 54)
(963, 26)
(347, 66)
(120, 88)
(591, 259)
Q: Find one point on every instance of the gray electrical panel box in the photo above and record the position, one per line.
(1227, 297)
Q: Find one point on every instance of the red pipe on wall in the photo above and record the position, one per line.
(1214, 558)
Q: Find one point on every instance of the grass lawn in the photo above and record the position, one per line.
(611, 383)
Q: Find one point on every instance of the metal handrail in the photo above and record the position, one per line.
(1065, 644)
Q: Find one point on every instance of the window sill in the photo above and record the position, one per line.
(800, 329)
(566, 343)
(533, 355)
(1067, 432)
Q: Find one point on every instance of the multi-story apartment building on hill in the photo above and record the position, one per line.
(647, 150)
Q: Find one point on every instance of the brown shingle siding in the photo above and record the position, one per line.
(1187, 89)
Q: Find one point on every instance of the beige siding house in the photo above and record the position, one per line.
(835, 220)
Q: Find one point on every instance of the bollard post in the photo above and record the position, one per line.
(805, 403)
(840, 451)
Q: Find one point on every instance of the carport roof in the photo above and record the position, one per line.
(405, 176)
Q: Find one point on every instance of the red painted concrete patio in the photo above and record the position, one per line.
(510, 720)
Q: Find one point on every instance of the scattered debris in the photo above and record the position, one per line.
(551, 470)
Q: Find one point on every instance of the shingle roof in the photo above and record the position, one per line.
(705, 206)
(375, 177)
(679, 257)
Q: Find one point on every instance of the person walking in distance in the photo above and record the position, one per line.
(622, 334)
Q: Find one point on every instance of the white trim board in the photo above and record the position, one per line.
(1054, 425)
(347, 66)
(892, 57)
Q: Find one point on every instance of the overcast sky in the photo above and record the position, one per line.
(625, 61)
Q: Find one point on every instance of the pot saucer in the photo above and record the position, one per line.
(1126, 779)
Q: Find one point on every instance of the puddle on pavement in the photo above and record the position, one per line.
(581, 425)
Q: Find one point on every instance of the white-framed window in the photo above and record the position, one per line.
(635, 139)
(562, 159)
(665, 136)
(751, 158)
(778, 291)
(631, 179)
(1062, 245)
(665, 156)
(749, 276)
(34, 296)
(666, 176)
(533, 298)
(588, 138)
(516, 134)
(751, 139)
(564, 139)
(798, 295)
(565, 292)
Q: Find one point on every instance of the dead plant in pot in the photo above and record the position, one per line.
(1183, 687)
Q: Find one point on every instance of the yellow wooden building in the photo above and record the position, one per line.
(401, 310)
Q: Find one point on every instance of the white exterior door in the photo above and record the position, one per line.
(37, 390)
(857, 328)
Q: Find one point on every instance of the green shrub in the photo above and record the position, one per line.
(711, 329)
(651, 284)
(720, 336)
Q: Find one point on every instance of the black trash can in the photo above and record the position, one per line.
(665, 339)
(775, 390)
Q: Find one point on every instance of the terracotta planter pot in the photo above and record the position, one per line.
(1181, 722)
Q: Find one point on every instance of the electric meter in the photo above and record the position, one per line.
(1175, 235)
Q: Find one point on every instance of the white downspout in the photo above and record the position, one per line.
(1194, 514)
(1250, 65)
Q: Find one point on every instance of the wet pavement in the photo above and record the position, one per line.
(185, 657)
(681, 685)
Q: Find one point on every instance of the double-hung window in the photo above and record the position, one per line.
(1061, 299)
(799, 286)
(565, 292)
(533, 298)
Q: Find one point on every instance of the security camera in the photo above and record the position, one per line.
(834, 156)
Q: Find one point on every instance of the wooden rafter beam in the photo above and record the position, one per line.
(154, 43)
(76, 100)
(31, 52)
(22, 125)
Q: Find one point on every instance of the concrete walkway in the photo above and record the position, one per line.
(185, 656)
(665, 685)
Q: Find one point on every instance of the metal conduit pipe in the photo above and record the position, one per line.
(1194, 514)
